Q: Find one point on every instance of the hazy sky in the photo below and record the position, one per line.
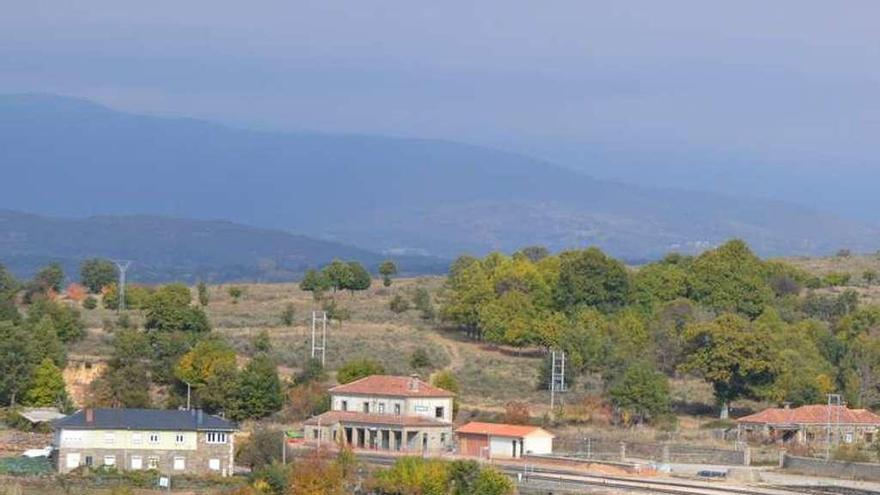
(768, 88)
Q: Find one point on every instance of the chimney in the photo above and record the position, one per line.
(90, 415)
(414, 382)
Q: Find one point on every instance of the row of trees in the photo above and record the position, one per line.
(345, 275)
(739, 322)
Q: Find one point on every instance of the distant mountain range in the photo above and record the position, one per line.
(164, 249)
(72, 158)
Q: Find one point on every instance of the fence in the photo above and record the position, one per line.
(834, 469)
(609, 450)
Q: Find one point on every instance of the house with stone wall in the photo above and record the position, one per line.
(380, 412)
(168, 441)
(810, 425)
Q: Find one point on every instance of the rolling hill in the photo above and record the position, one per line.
(165, 249)
(73, 158)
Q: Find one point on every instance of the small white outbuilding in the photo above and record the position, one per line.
(503, 441)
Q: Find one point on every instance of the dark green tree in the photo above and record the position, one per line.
(731, 278)
(65, 319)
(258, 390)
(127, 379)
(97, 273)
(16, 362)
(338, 275)
(169, 309)
(204, 296)
(422, 302)
(641, 394)
(47, 344)
(590, 278)
(360, 278)
(314, 281)
(49, 277)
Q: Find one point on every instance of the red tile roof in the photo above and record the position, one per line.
(352, 417)
(812, 414)
(394, 386)
(500, 430)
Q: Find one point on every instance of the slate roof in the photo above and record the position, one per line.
(145, 419)
(393, 386)
(812, 414)
(501, 430)
(351, 417)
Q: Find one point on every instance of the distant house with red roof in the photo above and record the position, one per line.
(810, 424)
(495, 440)
(396, 413)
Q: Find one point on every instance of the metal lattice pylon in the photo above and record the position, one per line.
(557, 376)
(833, 418)
(122, 265)
(319, 321)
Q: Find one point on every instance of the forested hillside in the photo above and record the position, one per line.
(69, 157)
(165, 249)
(753, 329)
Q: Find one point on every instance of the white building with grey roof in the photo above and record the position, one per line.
(167, 441)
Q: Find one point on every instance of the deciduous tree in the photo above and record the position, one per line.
(387, 269)
(97, 273)
(47, 387)
(357, 369)
(733, 356)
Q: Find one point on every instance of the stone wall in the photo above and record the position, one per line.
(834, 469)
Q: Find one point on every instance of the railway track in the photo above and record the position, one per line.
(540, 477)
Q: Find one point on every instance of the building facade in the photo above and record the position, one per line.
(810, 425)
(168, 441)
(503, 441)
(396, 413)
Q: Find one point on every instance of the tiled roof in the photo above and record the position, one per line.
(812, 414)
(333, 417)
(394, 386)
(501, 430)
(144, 419)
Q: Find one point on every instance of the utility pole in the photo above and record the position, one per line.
(316, 347)
(122, 265)
(557, 376)
(188, 395)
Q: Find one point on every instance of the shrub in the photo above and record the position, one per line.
(419, 359)
(398, 304)
(236, 293)
(288, 315)
(90, 302)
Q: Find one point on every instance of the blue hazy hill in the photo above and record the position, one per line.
(72, 158)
